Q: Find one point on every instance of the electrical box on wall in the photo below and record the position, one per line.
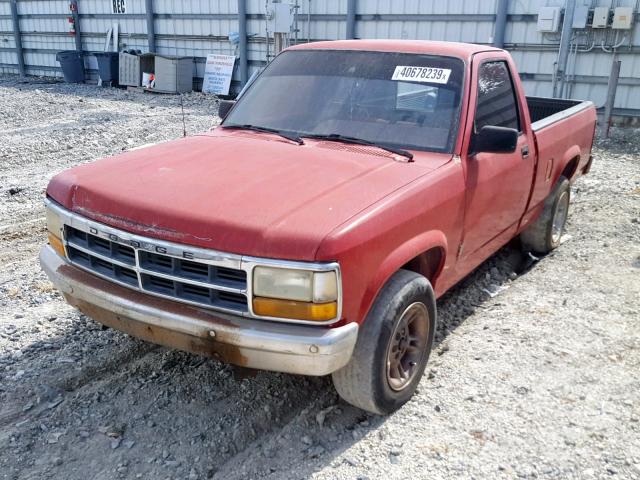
(622, 18)
(580, 17)
(549, 19)
(280, 17)
(600, 17)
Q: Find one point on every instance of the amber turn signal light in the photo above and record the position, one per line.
(271, 307)
(56, 244)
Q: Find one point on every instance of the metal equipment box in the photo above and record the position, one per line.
(549, 19)
(622, 18)
(580, 17)
(600, 17)
(280, 17)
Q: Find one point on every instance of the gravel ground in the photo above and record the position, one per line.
(536, 373)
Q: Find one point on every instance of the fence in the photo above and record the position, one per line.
(198, 27)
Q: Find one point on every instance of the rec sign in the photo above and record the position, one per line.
(119, 6)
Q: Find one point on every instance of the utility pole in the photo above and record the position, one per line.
(17, 39)
(611, 94)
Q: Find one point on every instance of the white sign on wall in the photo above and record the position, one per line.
(217, 74)
(119, 6)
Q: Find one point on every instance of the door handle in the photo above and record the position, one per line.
(525, 151)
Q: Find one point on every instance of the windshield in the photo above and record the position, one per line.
(399, 100)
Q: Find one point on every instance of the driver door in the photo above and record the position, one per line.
(497, 184)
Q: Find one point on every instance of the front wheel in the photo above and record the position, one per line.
(393, 346)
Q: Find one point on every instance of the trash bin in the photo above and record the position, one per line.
(108, 67)
(72, 65)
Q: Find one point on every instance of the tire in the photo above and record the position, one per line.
(369, 381)
(545, 233)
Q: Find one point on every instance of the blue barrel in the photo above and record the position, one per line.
(72, 65)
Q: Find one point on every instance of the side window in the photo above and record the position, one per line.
(497, 104)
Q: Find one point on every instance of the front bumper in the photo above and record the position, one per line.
(265, 345)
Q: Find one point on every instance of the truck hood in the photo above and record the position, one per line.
(236, 191)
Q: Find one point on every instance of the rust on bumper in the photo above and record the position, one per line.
(264, 345)
(206, 346)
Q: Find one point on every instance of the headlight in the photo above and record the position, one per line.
(290, 284)
(283, 283)
(295, 294)
(54, 224)
(55, 234)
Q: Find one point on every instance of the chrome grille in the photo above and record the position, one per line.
(164, 275)
(190, 270)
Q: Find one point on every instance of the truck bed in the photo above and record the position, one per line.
(563, 132)
(547, 111)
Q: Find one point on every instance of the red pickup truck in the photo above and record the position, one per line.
(352, 184)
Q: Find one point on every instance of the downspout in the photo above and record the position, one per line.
(242, 31)
(309, 23)
(17, 38)
(151, 29)
(351, 19)
(502, 8)
(565, 41)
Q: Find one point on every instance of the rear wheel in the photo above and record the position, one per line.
(545, 233)
(393, 346)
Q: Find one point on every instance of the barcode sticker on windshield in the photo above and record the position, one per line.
(421, 74)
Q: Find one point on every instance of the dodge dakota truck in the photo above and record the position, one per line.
(311, 232)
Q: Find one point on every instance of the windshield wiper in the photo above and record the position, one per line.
(336, 137)
(246, 126)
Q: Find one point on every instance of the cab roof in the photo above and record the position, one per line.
(451, 49)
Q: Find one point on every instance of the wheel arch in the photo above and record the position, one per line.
(429, 264)
(424, 254)
(569, 166)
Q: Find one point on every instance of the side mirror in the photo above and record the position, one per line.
(496, 140)
(224, 107)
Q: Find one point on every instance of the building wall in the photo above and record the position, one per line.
(198, 27)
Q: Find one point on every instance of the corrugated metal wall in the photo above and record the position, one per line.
(536, 53)
(7, 57)
(197, 27)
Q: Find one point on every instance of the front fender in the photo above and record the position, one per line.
(399, 257)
